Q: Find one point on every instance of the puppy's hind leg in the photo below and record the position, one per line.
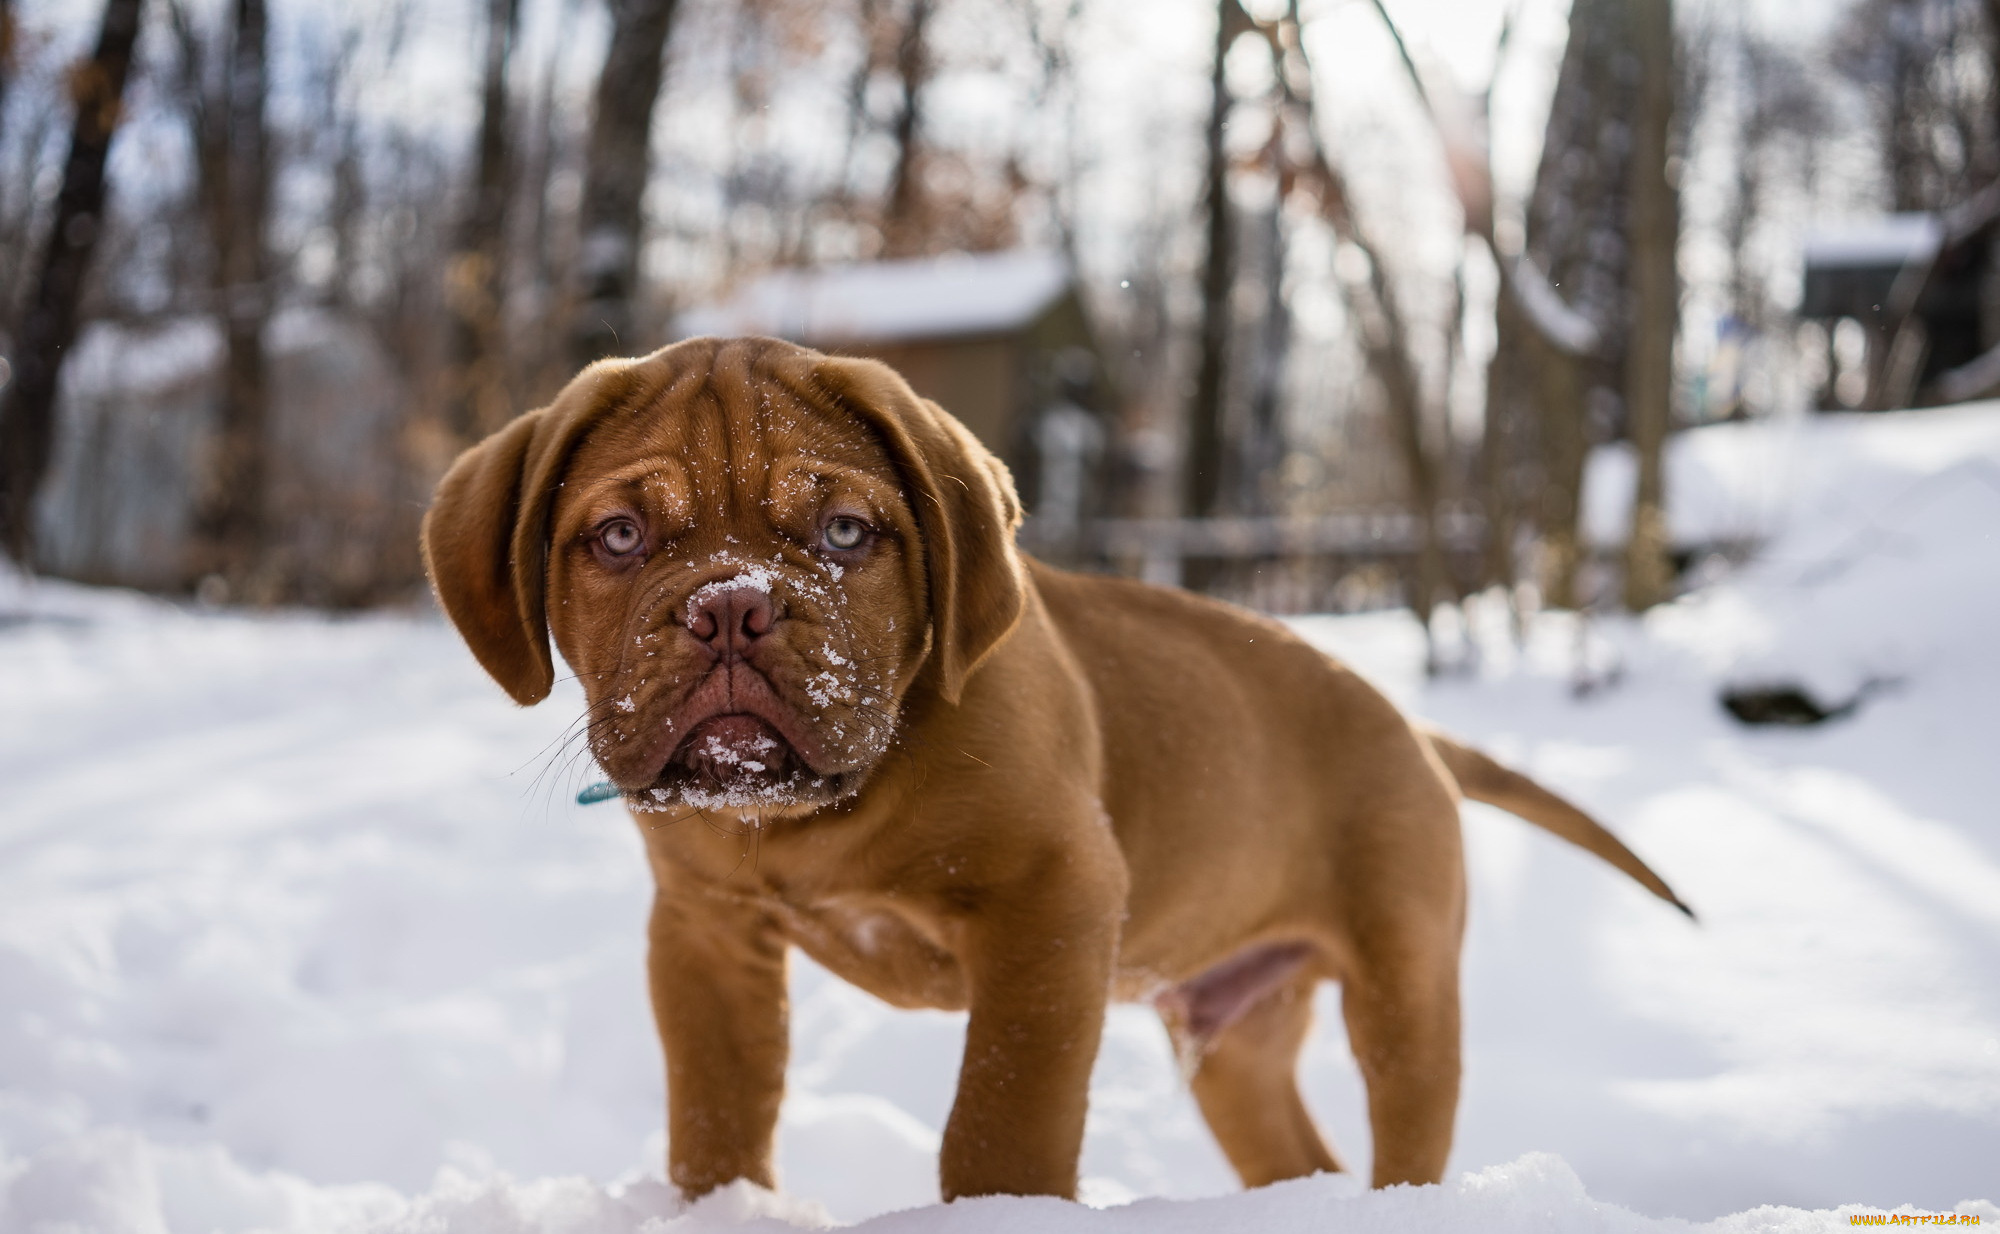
(1246, 1082)
(1402, 1021)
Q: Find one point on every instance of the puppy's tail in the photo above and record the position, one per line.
(1482, 779)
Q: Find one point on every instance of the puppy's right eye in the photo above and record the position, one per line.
(620, 537)
(844, 533)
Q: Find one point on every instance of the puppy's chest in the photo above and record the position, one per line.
(879, 928)
(896, 955)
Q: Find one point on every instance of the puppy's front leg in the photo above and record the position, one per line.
(1038, 960)
(717, 970)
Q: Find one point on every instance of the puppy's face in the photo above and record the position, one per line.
(751, 553)
(736, 576)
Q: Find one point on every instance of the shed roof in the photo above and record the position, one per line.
(891, 301)
(1891, 240)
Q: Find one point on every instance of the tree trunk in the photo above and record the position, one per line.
(1913, 172)
(1577, 233)
(1262, 447)
(905, 230)
(1500, 452)
(1202, 469)
(28, 403)
(1385, 341)
(475, 275)
(617, 161)
(1652, 230)
(6, 52)
(232, 141)
(1564, 432)
(1992, 9)
(539, 365)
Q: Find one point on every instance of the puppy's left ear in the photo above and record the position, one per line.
(966, 510)
(486, 534)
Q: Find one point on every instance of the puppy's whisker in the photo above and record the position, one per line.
(556, 743)
(579, 677)
(564, 752)
(571, 732)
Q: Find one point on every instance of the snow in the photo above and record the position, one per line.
(751, 578)
(1873, 531)
(931, 297)
(300, 929)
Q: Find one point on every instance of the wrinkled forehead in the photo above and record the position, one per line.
(707, 441)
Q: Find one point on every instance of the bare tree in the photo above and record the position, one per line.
(1925, 66)
(1778, 101)
(35, 117)
(904, 223)
(225, 104)
(6, 52)
(475, 274)
(617, 161)
(550, 146)
(1204, 463)
(27, 414)
(1991, 11)
(1056, 92)
(1573, 395)
(1653, 229)
(1381, 327)
(1562, 355)
(1265, 351)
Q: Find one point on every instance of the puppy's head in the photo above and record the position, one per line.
(750, 553)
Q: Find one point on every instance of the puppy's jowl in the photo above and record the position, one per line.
(791, 591)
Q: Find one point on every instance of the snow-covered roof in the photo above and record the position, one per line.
(1892, 240)
(887, 301)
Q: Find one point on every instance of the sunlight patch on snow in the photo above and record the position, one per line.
(1815, 1015)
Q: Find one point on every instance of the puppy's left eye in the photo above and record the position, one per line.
(844, 533)
(620, 537)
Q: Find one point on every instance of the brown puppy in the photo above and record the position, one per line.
(850, 716)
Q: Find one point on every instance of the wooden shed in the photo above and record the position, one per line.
(1934, 272)
(1001, 340)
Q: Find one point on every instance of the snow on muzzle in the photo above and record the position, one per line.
(738, 747)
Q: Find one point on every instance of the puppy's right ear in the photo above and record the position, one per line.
(469, 554)
(487, 531)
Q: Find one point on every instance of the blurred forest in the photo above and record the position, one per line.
(267, 265)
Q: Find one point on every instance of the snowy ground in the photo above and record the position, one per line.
(300, 930)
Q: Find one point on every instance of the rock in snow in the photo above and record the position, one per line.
(300, 931)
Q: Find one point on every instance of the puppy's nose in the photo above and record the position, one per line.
(731, 621)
